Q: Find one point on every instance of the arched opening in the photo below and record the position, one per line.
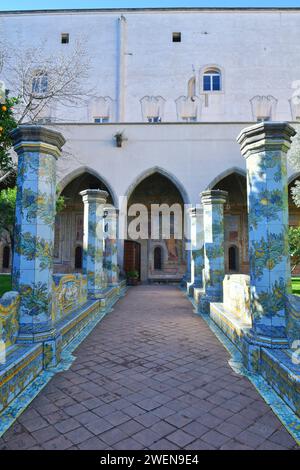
(154, 229)
(69, 222)
(132, 257)
(78, 257)
(235, 220)
(6, 257)
(157, 258)
(233, 258)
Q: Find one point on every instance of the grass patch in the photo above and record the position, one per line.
(5, 283)
(296, 285)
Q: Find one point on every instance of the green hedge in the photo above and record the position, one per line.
(5, 283)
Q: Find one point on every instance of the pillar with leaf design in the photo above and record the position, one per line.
(38, 149)
(264, 146)
(94, 201)
(214, 267)
(111, 248)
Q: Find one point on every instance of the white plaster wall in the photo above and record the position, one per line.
(192, 154)
(258, 51)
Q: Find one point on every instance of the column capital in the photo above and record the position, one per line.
(214, 196)
(94, 195)
(265, 136)
(31, 138)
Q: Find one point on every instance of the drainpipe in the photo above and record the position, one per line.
(121, 67)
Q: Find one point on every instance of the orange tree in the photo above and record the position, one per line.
(7, 124)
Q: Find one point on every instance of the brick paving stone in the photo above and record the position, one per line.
(76, 409)
(67, 425)
(162, 429)
(99, 426)
(147, 419)
(282, 438)
(45, 434)
(22, 441)
(195, 429)
(117, 418)
(58, 443)
(113, 436)
(181, 438)
(93, 444)
(179, 420)
(215, 438)
(163, 444)
(78, 435)
(146, 437)
(150, 375)
(229, 429)
(199, 445)
(163, 412)
(128, 444)
(35, 424)
(250, 438)
(131, 427)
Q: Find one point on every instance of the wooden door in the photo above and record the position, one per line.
(132, 256)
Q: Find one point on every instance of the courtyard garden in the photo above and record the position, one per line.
(5, 283)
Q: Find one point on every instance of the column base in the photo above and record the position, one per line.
(252, 345)
(210, 295)
(51, 342)
(52, 351)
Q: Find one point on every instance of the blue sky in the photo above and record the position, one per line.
(48, 4)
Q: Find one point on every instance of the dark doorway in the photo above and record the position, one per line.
(132, 256)
(6, 257)
(157, 258)
(78, 257)
(232, 258)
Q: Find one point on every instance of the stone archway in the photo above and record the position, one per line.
(156, 187)
(234, 182)
(69, 222)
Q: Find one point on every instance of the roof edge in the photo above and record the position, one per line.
(147, 9)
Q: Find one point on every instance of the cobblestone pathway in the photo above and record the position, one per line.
(151, 375)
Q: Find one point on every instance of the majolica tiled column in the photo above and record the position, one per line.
(197, 248)
(111, 251)
(264, 146)
(94, 202)
(37, 148)
(214, 267)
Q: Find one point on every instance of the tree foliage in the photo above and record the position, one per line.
(41, 81)
(7, 210)
(7, 124)
(294, 161)
(294, 241)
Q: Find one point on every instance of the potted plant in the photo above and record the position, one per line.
(132, 277)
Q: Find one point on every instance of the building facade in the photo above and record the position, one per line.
(169, 91)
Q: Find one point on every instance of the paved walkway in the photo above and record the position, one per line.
(151, 375)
